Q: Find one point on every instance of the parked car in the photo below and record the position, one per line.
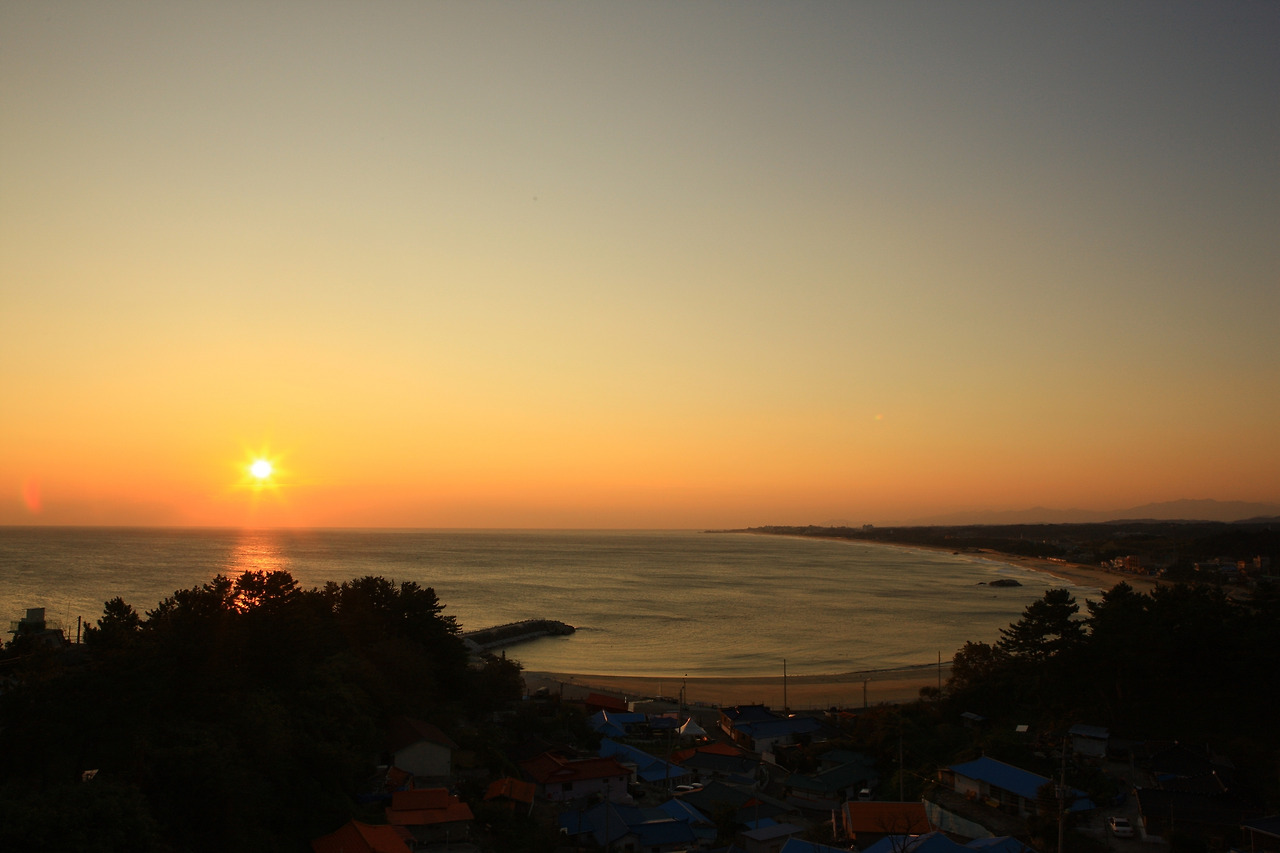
(1120, 827)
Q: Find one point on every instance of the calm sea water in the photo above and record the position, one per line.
(645, 603)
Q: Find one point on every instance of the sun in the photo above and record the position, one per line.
(260, 469)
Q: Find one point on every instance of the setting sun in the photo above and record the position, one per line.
(260, 469)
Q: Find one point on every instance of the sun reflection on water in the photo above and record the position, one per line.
(257, 552)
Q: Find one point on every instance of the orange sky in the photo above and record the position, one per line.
(599, 265)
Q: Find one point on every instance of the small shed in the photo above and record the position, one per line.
(1089, 741)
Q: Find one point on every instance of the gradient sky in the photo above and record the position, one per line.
(653, 265)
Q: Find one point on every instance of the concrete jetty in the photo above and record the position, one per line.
(500, 636)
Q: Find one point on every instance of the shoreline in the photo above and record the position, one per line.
(1076, 574)
(863, 688)
(797, 692)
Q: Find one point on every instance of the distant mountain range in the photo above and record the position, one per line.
(1183, 510)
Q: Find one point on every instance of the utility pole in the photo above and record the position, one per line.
(1062, 794)
(785, 706)
(901, 767)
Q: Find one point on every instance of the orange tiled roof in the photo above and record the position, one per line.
(716, 748)
(425, 807)
(356, 837)
(422, 798)
(512, 789)
(548, 769)
(395, 779)
(888, 818)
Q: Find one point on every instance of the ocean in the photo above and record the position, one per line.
(655, 603)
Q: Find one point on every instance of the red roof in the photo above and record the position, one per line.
(550, 769)
(608, 703)
(511, 789)
(358, 837)
(716, 748)
(426, 807)
(887, 818)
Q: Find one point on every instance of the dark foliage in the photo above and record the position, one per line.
(1184, 661)
(241, 714)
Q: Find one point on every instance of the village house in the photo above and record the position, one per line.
(604, 702)
(514, 794)
(633, 724)
(767, 837)
(868, 822)
(1193, 814)
(644, 767)
(561, 779)
(1002, 786)
(768, 735)
(618, 723)
(357, 837)
(722, 761)
(1192, 792)
(704, 828)
(759, 729)
(628, 828)
(1089, 741)
(732, 717)
(832, 785)
(430, 815)
(936, 842)
(420, 748)
(749, 806)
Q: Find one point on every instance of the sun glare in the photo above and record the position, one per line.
(261, 469)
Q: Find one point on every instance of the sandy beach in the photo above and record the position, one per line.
(802, 692)
(806, 692)
(1076, 573)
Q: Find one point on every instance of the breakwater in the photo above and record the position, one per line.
(500, 636)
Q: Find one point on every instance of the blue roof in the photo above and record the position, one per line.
(1015, 780)
(772, 831)
(649, 768)
(665, 831)
(1003, 844)
(1006, 777)
(795, 845)
(779, 728)
(739, 714)
(681, 810)
(930, 842)
(652, 826)
(615, 724)
(936, 842)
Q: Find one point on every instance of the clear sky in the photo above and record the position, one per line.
(653, 265)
